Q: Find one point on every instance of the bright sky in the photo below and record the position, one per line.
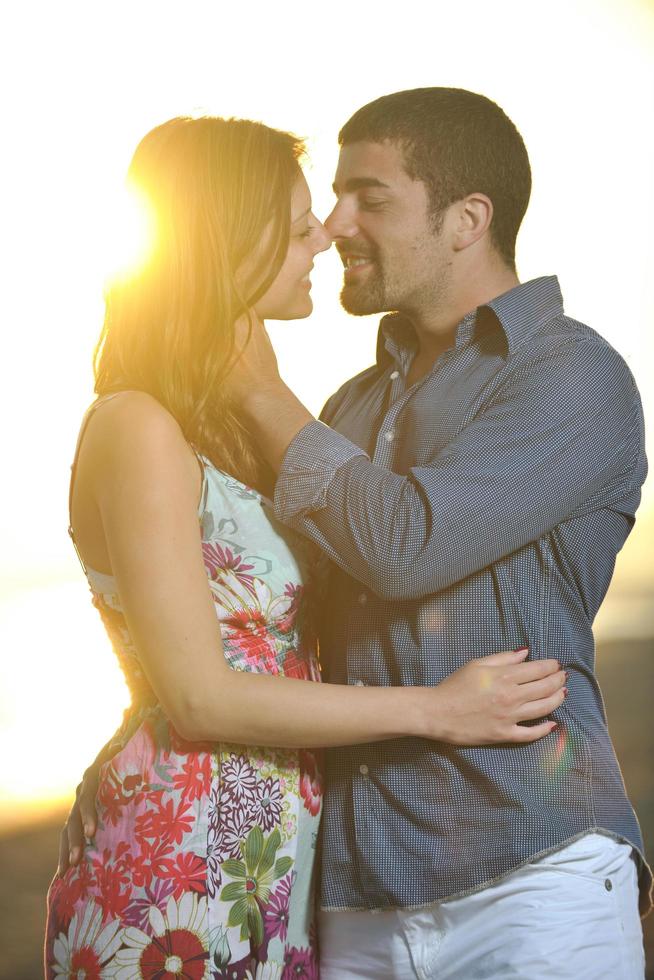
(83, 82)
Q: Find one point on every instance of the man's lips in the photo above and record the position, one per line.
(355, 264)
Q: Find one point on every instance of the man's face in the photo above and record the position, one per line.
(394, 258)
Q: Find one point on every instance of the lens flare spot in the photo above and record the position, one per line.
(430, 618)
(130, 234)
(558, 759)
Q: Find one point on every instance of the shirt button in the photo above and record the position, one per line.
(363, 770)
(394, 375)
(608, 884)
(363, 598)
(389, 436)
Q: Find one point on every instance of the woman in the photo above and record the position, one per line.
(209, 795)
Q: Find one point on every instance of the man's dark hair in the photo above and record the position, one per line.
(456, 142)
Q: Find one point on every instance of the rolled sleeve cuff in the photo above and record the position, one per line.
(310, 464)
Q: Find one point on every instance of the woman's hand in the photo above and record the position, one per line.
(81, 822)
(484, 702)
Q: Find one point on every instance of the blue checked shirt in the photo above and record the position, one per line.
(479, 510)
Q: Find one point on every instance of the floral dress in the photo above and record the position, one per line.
(202, 864)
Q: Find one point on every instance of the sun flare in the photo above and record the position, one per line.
(129, 235)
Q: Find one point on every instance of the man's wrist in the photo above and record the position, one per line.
(274, 415)
(264, 399)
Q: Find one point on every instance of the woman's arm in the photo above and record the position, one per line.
(144, 480)
(145, 484)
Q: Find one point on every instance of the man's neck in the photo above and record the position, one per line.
(436, 327)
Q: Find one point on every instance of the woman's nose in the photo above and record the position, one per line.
(322, 239)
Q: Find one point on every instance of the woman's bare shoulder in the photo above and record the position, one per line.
(133, 429)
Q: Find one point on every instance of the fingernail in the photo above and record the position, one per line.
(520, 649)
(565, 690)
(87, 829)
(567, 674)
(555, 725)
(71, 856)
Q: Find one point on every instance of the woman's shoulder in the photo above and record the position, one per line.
(128, 426)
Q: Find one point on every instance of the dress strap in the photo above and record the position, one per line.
(88, 415)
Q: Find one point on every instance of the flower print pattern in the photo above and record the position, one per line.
(268, 803)
(253, 879)
(277, 910)
(239, 780)
(310, 782)
(219, 560)
(196, 833)
(89, 946)
(177, 943)
(300, 964)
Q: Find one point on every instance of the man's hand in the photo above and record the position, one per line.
(273, 413)
(256, 367)
(82, 822)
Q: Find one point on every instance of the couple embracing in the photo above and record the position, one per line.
(447, 530)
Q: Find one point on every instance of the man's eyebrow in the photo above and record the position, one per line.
(356, 183)
(300, 216)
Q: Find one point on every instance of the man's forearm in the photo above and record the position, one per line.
(275, 416)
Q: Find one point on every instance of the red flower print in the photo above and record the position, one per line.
(195, 780)
(188, 874)
(176, 943)
(310, 782)
(296, 666)
(249, 632)
(111, 883)
(176, 953)
(86, 963)
(65, 893)
(166, 822)
(153, 860)
(110, 802)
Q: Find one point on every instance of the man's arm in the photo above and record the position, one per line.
(82, 819)
(563, 436)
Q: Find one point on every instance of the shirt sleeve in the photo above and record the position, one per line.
(562, 436)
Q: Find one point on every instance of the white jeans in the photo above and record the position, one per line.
(572, 914)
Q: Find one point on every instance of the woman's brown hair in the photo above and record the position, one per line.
(219, 193)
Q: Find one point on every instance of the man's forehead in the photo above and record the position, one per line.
(366, 164)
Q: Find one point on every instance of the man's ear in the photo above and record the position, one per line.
(474, 214)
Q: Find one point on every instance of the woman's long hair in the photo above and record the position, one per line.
(219, 193)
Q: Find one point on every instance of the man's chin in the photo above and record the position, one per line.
(358, 302)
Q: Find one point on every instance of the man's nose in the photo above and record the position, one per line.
(341, 222)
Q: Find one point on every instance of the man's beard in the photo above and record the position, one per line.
(367, 297)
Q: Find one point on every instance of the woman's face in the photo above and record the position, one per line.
(289, 296)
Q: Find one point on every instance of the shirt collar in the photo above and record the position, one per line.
(518, 312)
(524, 309)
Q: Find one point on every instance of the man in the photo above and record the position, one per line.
(472, 490)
